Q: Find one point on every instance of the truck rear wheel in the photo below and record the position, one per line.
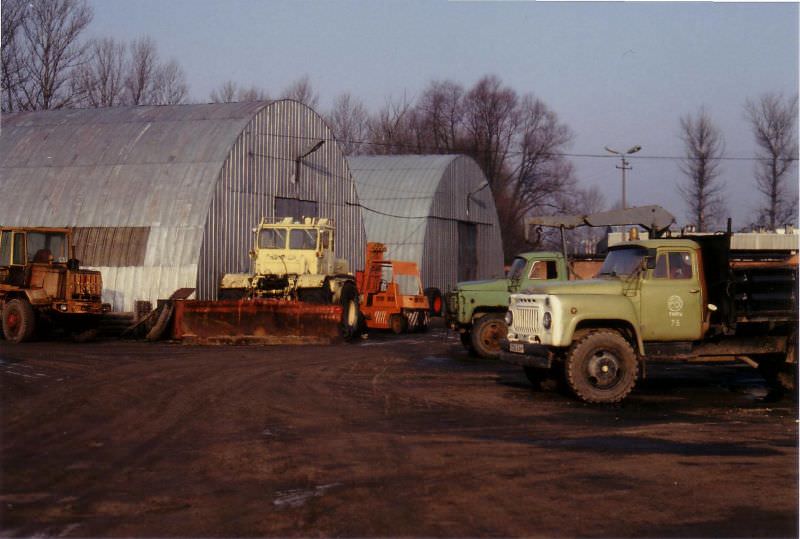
(601, 367)
(398, 324)
(486, 334)
(351, 316)
(19, 321)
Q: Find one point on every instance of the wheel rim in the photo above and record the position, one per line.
(604, 369)
(437, 305)
(13, 323)
(491, 335)
(352, 316)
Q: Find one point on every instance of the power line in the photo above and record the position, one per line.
(446, 151)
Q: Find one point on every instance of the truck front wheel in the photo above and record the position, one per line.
(601, 367)
(19, 321)
(486, 334)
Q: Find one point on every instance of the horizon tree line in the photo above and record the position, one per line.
(518, 141)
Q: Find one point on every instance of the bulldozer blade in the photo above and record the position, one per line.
(256, 321)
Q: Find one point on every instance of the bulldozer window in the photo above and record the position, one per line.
(5, 248)
(42, 245)
(18, 251)
(302, 239)
(272, 238)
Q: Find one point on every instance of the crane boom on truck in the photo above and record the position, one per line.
(674, 298)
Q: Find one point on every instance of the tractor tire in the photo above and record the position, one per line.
(601, 367)
(486, 334)
(435, 301)
(350, 324)
(398, 324)
(19, 321)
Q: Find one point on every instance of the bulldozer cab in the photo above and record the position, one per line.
(21, 247)
(289, 247)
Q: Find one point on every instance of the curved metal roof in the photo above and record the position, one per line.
(130, 166)
(411, 201)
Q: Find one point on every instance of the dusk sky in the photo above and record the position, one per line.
(619, 74)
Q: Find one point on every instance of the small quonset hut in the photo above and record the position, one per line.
(436, 210)
(165, 197)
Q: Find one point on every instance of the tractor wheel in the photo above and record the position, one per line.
(435, 301)
(486, 334)
(398, 323)
(351, 316)
(601, 367)
(19, 321)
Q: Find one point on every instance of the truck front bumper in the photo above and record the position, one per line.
(526, 354)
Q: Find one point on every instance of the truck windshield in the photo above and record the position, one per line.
(302, 239)
(517, 267)
(409, 285)
(623, 261)
(46, 246)
(272, 238)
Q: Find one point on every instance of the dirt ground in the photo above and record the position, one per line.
(392, 436)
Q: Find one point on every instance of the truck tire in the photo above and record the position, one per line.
(486, 334)
(350, 323)
(435, 301)
(601, 367)
(398, 324)
(19, 321)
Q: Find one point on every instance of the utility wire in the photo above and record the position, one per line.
(450, 151)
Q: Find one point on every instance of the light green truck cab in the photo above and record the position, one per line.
(666, 299)
(476, 309)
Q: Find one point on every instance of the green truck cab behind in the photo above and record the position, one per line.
(685, 298)
(476, 309)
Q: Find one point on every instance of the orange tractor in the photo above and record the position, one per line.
(391, 293)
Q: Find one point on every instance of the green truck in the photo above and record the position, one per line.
(476, 309)
(688, 298)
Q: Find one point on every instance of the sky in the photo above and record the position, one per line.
(618, 74)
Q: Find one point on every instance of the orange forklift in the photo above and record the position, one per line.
(391, 293)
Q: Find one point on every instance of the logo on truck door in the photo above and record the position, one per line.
(675, 307)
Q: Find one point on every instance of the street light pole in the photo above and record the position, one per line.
(623, 167)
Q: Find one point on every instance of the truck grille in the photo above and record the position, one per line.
(526, 320)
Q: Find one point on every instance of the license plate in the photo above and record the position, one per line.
(516, 347)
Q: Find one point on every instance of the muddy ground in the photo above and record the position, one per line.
(394, 436)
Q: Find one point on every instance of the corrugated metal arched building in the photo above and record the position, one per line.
(436, 210)
(165, 197)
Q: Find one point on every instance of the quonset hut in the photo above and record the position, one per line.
(165, 197)
(436, 210)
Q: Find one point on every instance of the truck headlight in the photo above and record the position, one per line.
(547, 320)
(509, 318)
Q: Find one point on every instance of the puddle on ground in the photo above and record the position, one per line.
(298, 497)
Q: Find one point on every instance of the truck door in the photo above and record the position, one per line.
(672, 298)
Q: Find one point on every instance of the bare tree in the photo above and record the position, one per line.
(302, 91)
(99, 81)
(142, 68)
(774, 125)
(391, 129)
(440, 116)
(703, 190)
(50, 50)
(229, 92)
(349, 121)
(169, 85)
(13, 12)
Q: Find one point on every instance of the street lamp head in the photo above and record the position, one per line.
(634, 149)
(609, 150)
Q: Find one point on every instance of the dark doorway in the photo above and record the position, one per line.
(467, 251)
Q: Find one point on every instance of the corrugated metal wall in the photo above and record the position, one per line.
(414, 204)
(260, 167)
(138, 183)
